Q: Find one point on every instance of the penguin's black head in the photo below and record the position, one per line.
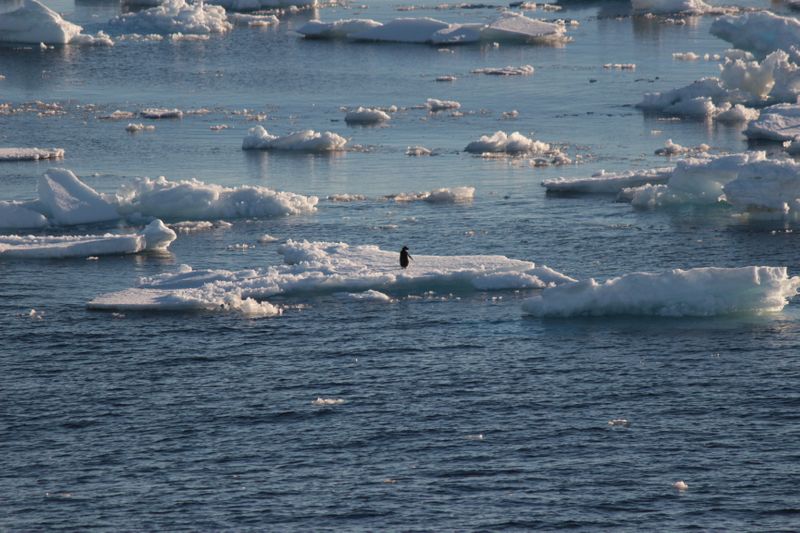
(405, 248)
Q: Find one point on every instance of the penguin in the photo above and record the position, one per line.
(404, 257)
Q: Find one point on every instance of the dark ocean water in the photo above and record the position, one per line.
(457, 412)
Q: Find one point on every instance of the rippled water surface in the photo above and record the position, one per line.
(458, 412)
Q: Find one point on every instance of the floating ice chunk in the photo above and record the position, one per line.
(694, 7)
(192, 226)
(174, 16)
(195, 200)
(440, 105)
(250, 307)
(365, 296)
(737, 113)
(418, 151)
(30, 154)
(366, 115)
(680, 485)
(328, 401)
(157, 113)
(253, 21)
(695, 99)
(446, 78)
(670, 148)
(619, 422)
(403, 30)
(135, 128)
(620, 66)
(254, 5)
(345, 197)
(769, 186)
(29, 21)
(515, 143)
(17, 215)
(68, 201)
(780, 122)
(685, 56)
(694, 180)
(340, 29)
(118, 115)
(608, 182)
(156, 236)
(266, 238)
(325, 267)
(761, 32)
(508, 115)
(459, 34)
(302, 141)
(439, 196)
(524, 70)
(694, 292)
(510, 26)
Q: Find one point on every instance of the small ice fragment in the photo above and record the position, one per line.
(267, 238)
(328, 401)
(680, 485)
(135, 128)
(619, 422)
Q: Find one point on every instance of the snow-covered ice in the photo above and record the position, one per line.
(174, 16)
(608, 182)
(766, 187)
(524, 70)
(30, 154)
(137, 127)
(156, 236)
(441, 105)
(695, 292)
(418, 151)
(33, 22)
(661, 7)
(159, 113)
(67, 201)
(761, 32)
(366, 115)
(340, 29)
(16, 215)
(302, 141)
(452, 195)
(195, 200)
(780, 122)
(514, 143)
(326, 267)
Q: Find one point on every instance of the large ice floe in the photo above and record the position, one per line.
(154, 237)
(366, 115)
(29, 21)
(64, 200)
(743, 83)
(694, 292)
(259, 138)
(761, 32)
(507, 27)
(172, 17)
(327, 268)
(195, 200)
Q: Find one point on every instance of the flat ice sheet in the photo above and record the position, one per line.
(608, 182)
(30, 154)
(324, 268)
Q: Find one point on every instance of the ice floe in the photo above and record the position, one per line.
(137, 127)
(16, 215)
(33, 22)
(507, 27)
(156, 236)
(365, 296)
(761, 32)
(524, 70)
(661, 7)
(159, 113)
(671, 149)
(768, 187)
(780, 122)
(608, 182)
(195, 200)
(695, 292)
(693, 181)
(366, 115)
(435, 105)
(259, 138)
(438, 196)
(172, 17)
(67, 201)
(30, 154)
(418, 151)
(514, 143)
(325, 268)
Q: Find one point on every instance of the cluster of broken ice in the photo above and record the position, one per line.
(30, 154)
(259, 138)
(174, 16)
(743, 83)
(366, 116)
(327, 268)
(608, 182)
(444, 195)
(760, 32)
(513, 143)
(507, 27)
